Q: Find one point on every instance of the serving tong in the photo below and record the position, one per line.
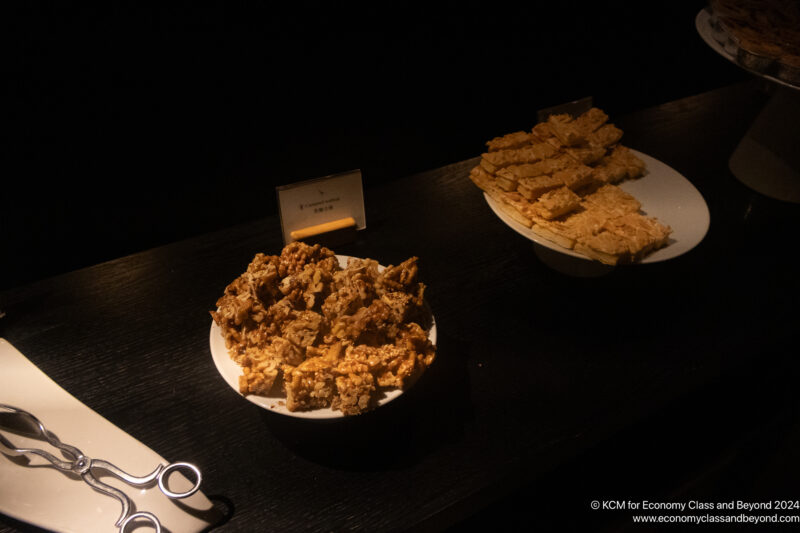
(77, 463)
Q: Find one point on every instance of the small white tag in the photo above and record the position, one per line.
(317, 201)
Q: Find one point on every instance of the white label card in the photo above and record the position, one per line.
(317, 201)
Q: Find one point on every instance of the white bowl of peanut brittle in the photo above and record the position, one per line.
(310, 334)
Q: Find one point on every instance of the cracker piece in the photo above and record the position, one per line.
(510, 141)
(528, 154)
(644, 234)
(576, 178)
(515, 206)
(605, 247)
(506, 180)
(554, 164)
(605, 136)
(485, 181)
(556, 203)
(540, 151)
(542, 131)
(566, 130)
(618, 165)
(554, 231)
(634, 167)
(590, 120)
(583, 222)
(527, 170)
(587, 155)
(610, 171)
(590, 187)
(533, 188)
(540, 168)
(584, 153)
(612, 200)
(510, 202)
(488, 167)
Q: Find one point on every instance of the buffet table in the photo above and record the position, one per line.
(535, 368)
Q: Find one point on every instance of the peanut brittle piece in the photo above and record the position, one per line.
(391, 365)
(355, 386)
(310, 385)
(556, 203)
(259, 371)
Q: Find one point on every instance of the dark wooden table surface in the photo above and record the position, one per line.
(548, 391)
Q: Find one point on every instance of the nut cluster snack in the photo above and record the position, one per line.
(329, 336)
(559, 181)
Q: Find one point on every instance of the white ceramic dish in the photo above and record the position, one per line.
(230, 372)
(664, 194)
(50, 499)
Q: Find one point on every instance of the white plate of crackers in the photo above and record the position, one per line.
(570, 186)
(664, 194)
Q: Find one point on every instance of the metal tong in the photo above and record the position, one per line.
(80, 464)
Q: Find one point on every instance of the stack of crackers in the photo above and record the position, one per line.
(560, 180)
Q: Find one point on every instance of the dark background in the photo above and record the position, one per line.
(133, 126)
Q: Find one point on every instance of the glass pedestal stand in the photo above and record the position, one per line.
(768, 157)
